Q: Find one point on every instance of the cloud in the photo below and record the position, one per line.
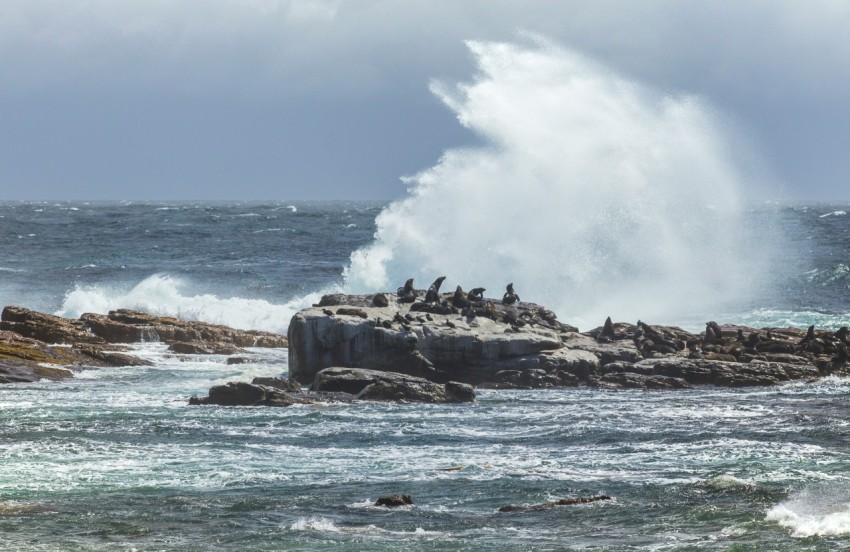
(297, 47)
(778, 66)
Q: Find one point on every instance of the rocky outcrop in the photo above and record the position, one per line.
(24, 359)
(33, 345)
(128, 326)
(46, 327)
(250, 394)
(201, 348)
(522, 345)
(375, 385)
(337, 384)
(434, 341)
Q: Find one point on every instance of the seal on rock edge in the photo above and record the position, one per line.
(510, 297)
(407, 294)
(433, 294)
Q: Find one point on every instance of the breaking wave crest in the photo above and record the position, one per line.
(165, 295)
(825, 513)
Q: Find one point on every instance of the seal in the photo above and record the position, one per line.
(510, 297)
(607, 334)
(433, 295)
(476, 295)
(711, 337)
(717, 331)
(407, 294)
(459, 299)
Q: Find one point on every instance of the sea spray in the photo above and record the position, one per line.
(165, 295)
(595, 195)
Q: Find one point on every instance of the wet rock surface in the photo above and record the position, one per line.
(35, 345)
(337, 385)
(394, 501)
(522, 345)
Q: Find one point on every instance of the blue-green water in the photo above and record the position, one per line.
(114, 459)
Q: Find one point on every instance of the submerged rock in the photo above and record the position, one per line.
(249, 394)
(549, 505)
(394, 501)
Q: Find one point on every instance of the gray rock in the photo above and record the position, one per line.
(377, 385)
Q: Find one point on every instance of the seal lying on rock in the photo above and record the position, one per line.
(510, 297)
(407, 294)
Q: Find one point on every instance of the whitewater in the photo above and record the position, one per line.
(595, 196)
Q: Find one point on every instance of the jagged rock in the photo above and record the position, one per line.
(198, 348)
(238, 360)
(111, 358)
(394, 501)
(389, 386)
(449, 346)
(20, 371)
(629, 380)
(46, 327)
(522, 345)
(279, 383)
(118, 332)
(121, 325)
(249, 394)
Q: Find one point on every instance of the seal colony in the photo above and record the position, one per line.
(508, 343)
(396, 346)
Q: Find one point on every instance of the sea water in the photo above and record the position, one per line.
(596, 196)
(115, 459)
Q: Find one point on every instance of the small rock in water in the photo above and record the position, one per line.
(394, 501)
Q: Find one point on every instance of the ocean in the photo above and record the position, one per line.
(115, 459)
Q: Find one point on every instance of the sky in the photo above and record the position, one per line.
(329, 99)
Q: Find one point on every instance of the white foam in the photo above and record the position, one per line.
(834, 214)
(806, 517)
(595, 195)
(315, 524)
(165, 295)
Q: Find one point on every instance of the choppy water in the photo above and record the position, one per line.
(114, 459)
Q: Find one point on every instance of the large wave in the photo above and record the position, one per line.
(165, 295)
(595, 195)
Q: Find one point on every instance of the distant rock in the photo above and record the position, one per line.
(394, 501)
